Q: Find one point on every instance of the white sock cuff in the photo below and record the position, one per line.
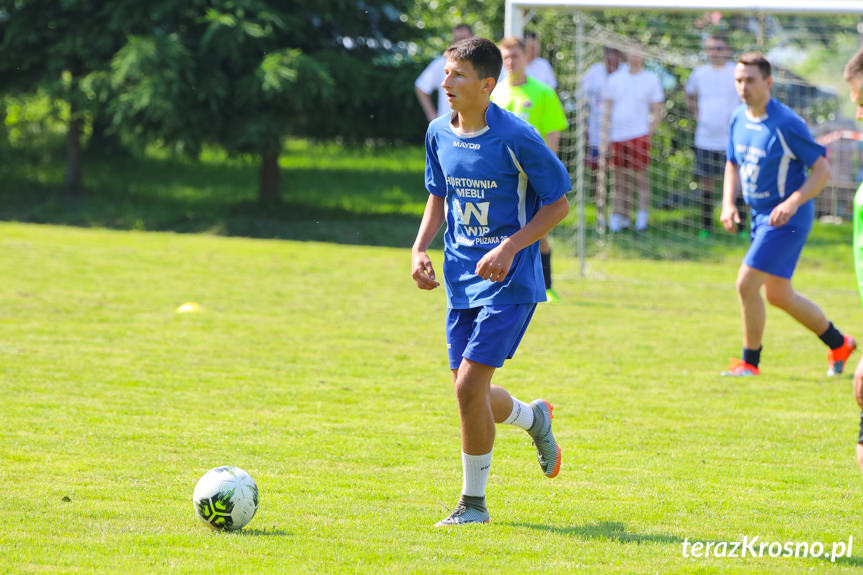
(475, 469)
(521, 416)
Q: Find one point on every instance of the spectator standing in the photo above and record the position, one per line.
(632, 111)
(432, 77)
(712, 100)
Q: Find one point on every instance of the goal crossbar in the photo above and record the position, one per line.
(515, 9)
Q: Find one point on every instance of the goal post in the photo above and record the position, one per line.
(808, 43)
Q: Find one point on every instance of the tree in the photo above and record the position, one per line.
(219, 75)
(245, 73)
(55, 46)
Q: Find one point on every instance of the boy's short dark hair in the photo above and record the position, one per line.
(482, 54)
(757, 59)
(854, 68)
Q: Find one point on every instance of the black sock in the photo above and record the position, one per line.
(752, 356)
(832, 338)
(473, 502)
(546, 268)
(706, 210)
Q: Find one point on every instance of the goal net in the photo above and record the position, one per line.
(660, 196)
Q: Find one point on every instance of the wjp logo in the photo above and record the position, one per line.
(465, 145)
(478, 211)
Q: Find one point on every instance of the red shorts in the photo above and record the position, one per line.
(633, 154)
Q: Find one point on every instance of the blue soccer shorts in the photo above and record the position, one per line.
(775, 250)
(488, 334)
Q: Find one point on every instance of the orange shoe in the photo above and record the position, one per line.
(837, 357)
(739, 368)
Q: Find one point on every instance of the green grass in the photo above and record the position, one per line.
(320, 369)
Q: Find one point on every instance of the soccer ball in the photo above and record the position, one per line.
(226, 498)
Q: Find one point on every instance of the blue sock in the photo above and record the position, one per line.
(752, 356)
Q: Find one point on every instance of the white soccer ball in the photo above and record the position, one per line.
(226, 498)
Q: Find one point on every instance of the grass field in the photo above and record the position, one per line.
(320, 369)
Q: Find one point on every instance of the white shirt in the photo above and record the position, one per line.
(632, 96)
(431, 79)
(593, 85)
(538, 69)
(717, 99)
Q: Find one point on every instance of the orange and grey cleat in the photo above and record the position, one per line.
(739, 368)
(548, 452)
(837, 357)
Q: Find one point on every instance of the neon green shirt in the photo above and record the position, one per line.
(533, 102)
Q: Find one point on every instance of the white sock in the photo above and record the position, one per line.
(641, 220)
(475, 469)
(522, 415)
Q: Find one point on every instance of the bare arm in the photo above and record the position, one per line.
(426, 103)
(552, 140)
(495, 264)
(692, 103)
(819, 175)
(730, 218)
(655, 116)
(422, 270)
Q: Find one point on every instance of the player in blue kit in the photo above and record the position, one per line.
(499, 188)
(769, 149)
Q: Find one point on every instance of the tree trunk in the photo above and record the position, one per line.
(72, 180)
(268, 193)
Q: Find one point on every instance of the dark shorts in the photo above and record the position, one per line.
(488, 334)
(633, 154)
(709, 163)
(775, 250)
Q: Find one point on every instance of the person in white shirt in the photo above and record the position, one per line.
(537, 68)
(593, 87)
(433, 76)
(712, 98)
(632, 111)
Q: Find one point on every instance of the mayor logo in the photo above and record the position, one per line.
(465, 145)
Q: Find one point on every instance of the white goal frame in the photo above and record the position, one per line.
(519, 12)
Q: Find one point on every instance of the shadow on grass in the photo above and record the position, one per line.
(345, 205)
(606, 530)
(616, 531)
(262, 533)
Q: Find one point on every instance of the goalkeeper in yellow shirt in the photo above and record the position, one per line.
(538, 105)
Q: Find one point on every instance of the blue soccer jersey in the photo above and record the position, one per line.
(771, 154)
(494, 181)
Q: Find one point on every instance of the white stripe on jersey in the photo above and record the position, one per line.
(787, 156)
(522, 189)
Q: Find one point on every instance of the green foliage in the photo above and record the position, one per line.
(438, 17)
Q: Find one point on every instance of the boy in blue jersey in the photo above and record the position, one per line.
(769, 149)
(499, 188)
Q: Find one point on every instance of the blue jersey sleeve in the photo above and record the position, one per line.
(545, 172)
(729, 151)
(800, 140)
(435, 180)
